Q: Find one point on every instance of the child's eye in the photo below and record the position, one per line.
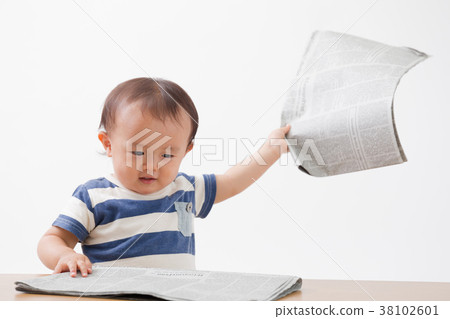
(167, 155)
(137, 153)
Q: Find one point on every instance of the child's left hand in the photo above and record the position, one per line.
(276, 139)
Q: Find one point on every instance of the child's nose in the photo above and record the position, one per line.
(150, 166)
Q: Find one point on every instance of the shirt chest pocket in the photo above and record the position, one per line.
(185, 217)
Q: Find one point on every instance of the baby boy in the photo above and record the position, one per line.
(142, 214)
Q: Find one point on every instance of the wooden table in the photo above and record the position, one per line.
(312, 290)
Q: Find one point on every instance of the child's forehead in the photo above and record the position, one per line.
(132, 120)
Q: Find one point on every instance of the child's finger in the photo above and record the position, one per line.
(87, 261)
(286, 128)
(88, 265)
(58, 269)
(89, 268)
(83, 267)
(72, 268)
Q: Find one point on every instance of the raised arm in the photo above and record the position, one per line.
(241, 176)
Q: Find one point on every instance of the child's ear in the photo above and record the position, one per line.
(189, 148)
(106, 142)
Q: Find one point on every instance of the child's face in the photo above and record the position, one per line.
(162, 163)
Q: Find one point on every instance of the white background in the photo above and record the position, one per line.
(59, 60)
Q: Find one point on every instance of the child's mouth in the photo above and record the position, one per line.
(147, 180)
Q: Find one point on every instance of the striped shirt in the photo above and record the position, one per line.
(121, 227)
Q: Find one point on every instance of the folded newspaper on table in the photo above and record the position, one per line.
(340, 105)
(155, 283)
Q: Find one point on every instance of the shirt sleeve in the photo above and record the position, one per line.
(205, 194)
(77, 217)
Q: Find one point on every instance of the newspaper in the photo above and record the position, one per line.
(151, 283)
(341, 105)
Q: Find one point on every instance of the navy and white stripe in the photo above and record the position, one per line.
(110, 220)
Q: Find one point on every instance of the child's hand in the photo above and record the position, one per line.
(72, 261)
(276, 139)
